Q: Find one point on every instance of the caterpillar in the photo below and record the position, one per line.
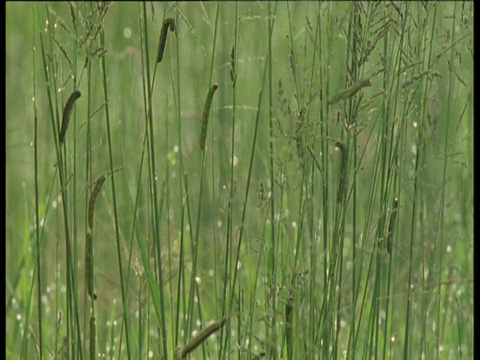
(289, 325)
(163, 37)
(93, 198)
(349, 92)
(181, 353)
(66, 113)
(343, 176)
(89, 265)
(92, 338)
(391, 225)
(206, 112)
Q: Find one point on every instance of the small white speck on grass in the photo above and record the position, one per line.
(150, 354)
(176, 149)
(198, 279)
(239, 265)
(294, 224)
(414, 149)
(127, 32)
(235, 160)
(449, 248)
(219, 223)
(210, 272)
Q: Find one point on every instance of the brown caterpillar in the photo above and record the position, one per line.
(66, 113)
(163, 37)
(206, 112)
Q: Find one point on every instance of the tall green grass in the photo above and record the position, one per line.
(327, 212)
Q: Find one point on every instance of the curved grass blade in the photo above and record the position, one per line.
(167, 23)
(206, 112)
(66, 113)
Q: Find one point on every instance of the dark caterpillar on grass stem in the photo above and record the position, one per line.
(89, 265)
(66, 113)
(182, 352)
(391, 225)
(93, 198)
(92, 338)
(163, 37)
(206, 112)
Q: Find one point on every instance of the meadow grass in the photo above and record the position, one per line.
(281, 180)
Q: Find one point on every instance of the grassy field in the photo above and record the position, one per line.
(278, 180)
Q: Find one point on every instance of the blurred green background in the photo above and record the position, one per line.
(422, 89)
